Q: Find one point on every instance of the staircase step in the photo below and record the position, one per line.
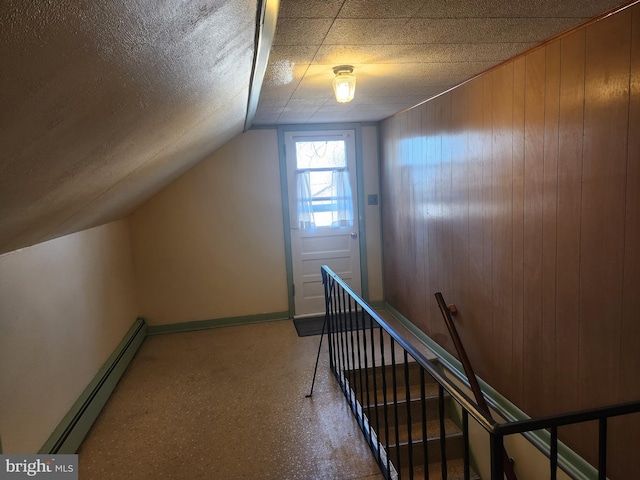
(455, 471)
(431, 390)
(367, 375)
(386, 414)
(368, 391)
(454, 448)
(433, 431)
(367, 384)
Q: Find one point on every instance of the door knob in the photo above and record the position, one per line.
(354, 235)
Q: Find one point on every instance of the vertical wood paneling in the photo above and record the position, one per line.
(533, 197)
(485, 312)
(446, 199)
(419, 299)
(549, 219)
(427, 185)
(518, 196)
(433, 166)
(629, 352)
(474, 324)
(570, 148)
(607, 65)
(435, 161)
(389, 207)
(408, 214)
(517, 332)
(502, 223)
(626, 432)
(444, 207)
(570, 145)
(603, 206)
(405, 212)
(460, 205)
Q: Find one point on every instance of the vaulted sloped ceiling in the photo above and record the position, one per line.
(102, 103)
(403, 51)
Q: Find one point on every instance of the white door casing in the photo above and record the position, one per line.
(336, 247)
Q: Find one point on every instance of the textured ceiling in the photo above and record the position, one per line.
(403, 51)
(104, 102)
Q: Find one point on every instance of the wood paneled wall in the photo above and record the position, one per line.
(518, 196)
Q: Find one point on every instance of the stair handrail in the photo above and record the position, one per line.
(466, 402)
(482, 414)
(471, 376)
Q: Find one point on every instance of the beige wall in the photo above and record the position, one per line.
(370, 161)
(211, 244)
(64, 307)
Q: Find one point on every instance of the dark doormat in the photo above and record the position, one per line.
(308, 326)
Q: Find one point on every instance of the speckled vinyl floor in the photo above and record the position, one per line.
(227, 404)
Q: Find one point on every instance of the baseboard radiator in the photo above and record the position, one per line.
(70, 433)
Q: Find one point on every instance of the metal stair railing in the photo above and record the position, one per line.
(363, 347)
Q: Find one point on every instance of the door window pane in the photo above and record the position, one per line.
(321, 160)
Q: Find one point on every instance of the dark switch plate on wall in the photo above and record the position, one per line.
(372, 199)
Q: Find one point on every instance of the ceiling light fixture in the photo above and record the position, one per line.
(344, 83)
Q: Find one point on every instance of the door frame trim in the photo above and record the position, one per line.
(284, 190)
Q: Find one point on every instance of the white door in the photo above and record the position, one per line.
(321, 178)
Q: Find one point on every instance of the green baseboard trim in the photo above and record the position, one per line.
(70, 433)
(568, 460)
(377, 305)
(215, 323)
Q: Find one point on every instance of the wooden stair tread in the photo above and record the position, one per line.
(433, 431)
(431, 391)
(455, 471)
(362, 383)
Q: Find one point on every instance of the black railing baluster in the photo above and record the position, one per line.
(602, 449)
(327, 302)
(341, 305)
(362, 358)
(360, 355)
(327, 312)
(370, 371)
(553, 454)
(332, 327)
(497, 456)
(374, 376)
(352, 350)
(345, 341)
(425, 417)
(465, 436)
(383, 366)
(343, 356)
(395, 407)
(336, 331)
(338, 336)
(408, 407)
(443, 433)
(352, 371)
